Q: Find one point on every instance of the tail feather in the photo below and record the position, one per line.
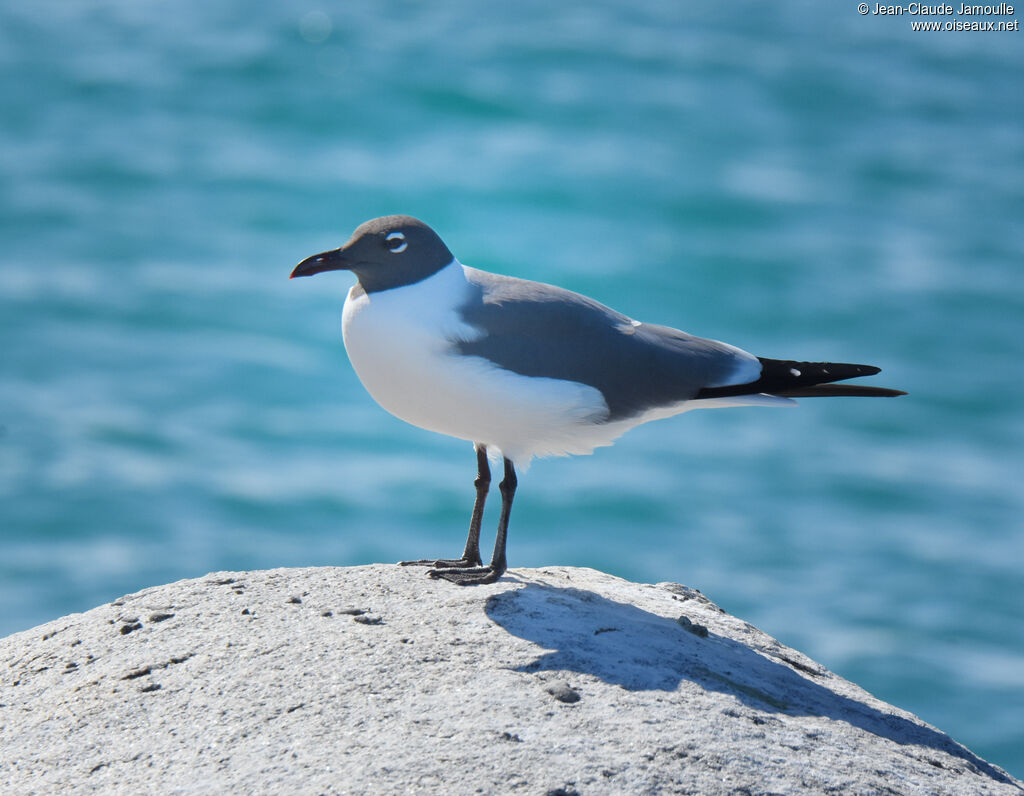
(792, 379)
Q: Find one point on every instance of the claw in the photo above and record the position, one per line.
(442, 563)
(468, 577)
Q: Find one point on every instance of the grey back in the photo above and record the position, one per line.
(541, 330)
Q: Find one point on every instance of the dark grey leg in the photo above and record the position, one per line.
(471, 555)
(499, 563)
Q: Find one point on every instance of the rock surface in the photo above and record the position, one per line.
(379, 680)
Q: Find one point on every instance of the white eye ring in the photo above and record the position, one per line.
(401, 247)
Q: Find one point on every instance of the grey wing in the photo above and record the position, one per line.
(544, 331)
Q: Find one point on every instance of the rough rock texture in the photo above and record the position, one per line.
(379, 680)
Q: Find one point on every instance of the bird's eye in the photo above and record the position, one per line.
(396, 242)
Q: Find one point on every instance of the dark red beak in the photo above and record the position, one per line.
(334, 260)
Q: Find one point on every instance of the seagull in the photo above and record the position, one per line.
(524, 369)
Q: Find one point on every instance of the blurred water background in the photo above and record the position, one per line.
(796, 179)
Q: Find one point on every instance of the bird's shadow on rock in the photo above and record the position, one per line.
(637, 650)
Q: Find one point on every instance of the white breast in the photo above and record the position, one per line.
(400, 345)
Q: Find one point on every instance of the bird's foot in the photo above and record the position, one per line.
(473, 576)
(442, 563)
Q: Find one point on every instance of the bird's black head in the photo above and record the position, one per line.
(384, 253)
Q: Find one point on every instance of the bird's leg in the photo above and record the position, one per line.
(494, 570)
(471, 555)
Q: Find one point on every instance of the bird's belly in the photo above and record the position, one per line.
(410, 367)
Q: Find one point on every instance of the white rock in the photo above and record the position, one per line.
(378, 679)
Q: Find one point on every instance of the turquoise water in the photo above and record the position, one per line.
(802, 181)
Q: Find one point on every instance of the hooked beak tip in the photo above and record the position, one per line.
(327, 261)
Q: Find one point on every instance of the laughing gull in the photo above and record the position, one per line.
(528, 369)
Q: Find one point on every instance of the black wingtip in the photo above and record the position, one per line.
(838, 390)
(791, 379)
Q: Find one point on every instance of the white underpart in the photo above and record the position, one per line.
(400, 345)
